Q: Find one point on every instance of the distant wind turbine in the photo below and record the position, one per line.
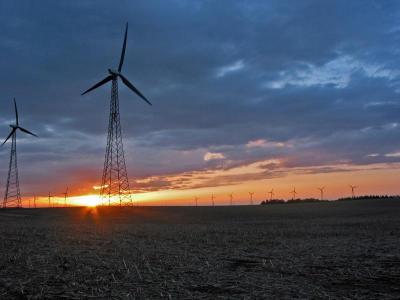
(352, 187)
(271, 194)
(34, 201)
(321, 190)
(294, 193)
(251, 197)
(50, 196)
(12, 195)
(212, 199)
(231, 199)
(195, 200)
(65, 197)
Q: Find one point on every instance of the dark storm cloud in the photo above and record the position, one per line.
(319, 77)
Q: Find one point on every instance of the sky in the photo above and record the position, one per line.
(248, 96)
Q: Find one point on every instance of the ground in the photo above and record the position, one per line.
(310, 250)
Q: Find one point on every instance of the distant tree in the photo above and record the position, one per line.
(272, 201)
(356, 198)
(365, 197)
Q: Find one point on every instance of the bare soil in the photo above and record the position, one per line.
(309, 251)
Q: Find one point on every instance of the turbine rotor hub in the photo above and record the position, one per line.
(113, 72)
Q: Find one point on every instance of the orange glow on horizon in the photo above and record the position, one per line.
(373, 179)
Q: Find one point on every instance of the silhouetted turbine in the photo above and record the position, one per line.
(271, 194)
(353, 187)
(251, 197)
(12, 196)
(50, 196)
(294, 193)
(321, 189)
(115, 181)
(65, 197)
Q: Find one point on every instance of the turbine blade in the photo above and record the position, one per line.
(105, 80)
(130, 85)
(16, 112)
(27, 131)
(121, 60)
(11, 133)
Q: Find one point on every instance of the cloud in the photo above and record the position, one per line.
(257, 143)
(234, 67)
(262, 143)
(213, 156)
(239, 175)
(337, 73)
(394, 154)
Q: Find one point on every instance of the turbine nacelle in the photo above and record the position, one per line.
(114, 72)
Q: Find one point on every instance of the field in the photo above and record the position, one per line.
(310, 250)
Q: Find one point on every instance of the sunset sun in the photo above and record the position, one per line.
(86, 200)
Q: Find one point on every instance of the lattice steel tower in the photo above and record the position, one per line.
(12, 196)
(115, 177)
(115, 184)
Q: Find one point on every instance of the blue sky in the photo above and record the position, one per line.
(305, 83)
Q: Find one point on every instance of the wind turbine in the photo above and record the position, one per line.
(115, 183)
(212, 199)
(12, 196)
(352, 187)
(321, 189)
(34, 201)
(231, 199)
(50, 196)
(271, 194)
(195, 200)
(294, 193)
(251, 197)
(65, 197)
